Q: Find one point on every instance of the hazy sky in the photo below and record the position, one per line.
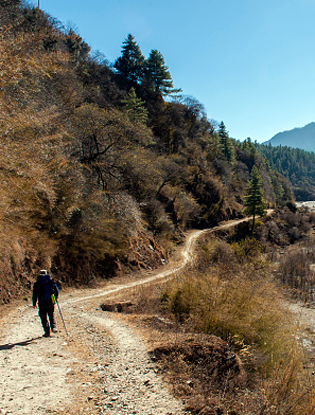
(251, 63)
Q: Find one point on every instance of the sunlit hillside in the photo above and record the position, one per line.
(100, 162)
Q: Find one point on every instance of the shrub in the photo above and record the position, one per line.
(295, 271)
(241, 307)
(247, 248)
(217, 251)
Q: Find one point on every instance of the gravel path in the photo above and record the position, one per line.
(101, 368)
(30, 365)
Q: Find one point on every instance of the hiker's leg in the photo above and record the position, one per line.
(51, 316)
(43, 316)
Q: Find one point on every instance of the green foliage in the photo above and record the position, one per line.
(130, 65)
(249, 154)
(296, 165)
(246, 249)
(177, 302)
(158, 75)
(254, 201)
(226, 143)
(135, 108)
(78, 49)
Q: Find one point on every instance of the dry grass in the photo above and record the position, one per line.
(234, 301)
(31, 153)
(42, 188)
(296, 271)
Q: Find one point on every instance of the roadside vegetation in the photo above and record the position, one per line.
(220, 330)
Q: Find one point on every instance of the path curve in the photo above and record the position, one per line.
(102, 368)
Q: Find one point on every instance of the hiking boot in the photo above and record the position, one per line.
(46, 335)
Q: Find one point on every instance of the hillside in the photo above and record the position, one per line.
(135, 200)
(297, 165)
(303, 138)
(103, 167)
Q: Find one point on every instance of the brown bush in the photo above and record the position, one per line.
(296, 271)
(203, 371)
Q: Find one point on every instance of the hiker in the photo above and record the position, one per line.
(43, 289)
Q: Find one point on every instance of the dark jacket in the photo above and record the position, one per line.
(43, 288)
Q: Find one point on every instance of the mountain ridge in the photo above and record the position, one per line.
(299, 137)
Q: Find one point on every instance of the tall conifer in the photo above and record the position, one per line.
(135, 108)
(254, 203)
(226, 144)
(131, 64)
(158, 75)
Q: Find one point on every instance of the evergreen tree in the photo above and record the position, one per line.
(131, 64)
(135, 107)
(254, 203)
(158, 75)
(227, 146)
(78, 49)
(296, 165)
(277, 187)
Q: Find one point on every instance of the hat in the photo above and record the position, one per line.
(43, 272)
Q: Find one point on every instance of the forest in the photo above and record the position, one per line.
(296, 165)
(105, 165)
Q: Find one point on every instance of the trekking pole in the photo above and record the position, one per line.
(55, 301)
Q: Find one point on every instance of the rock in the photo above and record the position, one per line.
(28, 386)
(117, 307)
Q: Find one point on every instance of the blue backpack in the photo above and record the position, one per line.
(47, 287)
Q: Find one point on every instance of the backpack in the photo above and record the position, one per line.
(47, 287)
(53, 289)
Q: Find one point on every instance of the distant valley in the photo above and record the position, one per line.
(303, 138)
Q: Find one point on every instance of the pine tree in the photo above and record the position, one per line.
(277, 187)
(78, 49)
(254, 203)
(135, 107)
(226, 144)
(158, 75)
(131, 64)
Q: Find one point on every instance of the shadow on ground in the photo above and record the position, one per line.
(9, 346)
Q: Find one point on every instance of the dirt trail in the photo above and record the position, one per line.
(101, 368)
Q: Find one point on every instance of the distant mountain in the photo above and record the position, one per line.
(303, 138)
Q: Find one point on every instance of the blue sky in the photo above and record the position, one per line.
(251, 63)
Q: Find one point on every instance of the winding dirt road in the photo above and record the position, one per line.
(101, 368)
